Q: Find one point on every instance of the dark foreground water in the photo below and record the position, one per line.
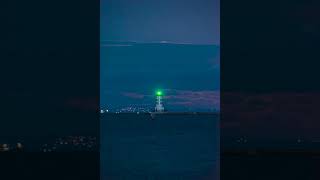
(170, 147)
(270, 167)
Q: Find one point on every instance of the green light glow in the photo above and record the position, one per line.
(159, 93)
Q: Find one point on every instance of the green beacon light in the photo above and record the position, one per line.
(159, 93)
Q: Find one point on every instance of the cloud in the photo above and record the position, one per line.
(194, 99)
(133, 95)
(205, 99)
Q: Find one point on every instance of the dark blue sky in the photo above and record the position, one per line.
(180, 21)
(168, 44)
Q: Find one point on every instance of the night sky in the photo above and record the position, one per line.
(180, 21)
(169, 44)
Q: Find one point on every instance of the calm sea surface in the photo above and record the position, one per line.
(170, 147)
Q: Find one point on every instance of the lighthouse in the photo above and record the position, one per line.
(159, 107)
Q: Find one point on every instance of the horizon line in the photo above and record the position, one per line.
(159, 42)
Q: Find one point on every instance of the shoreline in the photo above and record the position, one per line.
(167, 113)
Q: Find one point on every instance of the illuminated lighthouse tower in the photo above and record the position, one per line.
(159, 107)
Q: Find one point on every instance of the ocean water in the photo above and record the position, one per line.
(169, 147)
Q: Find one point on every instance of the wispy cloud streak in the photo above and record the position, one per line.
(133, 95)
(194, 99)
(205, 99)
